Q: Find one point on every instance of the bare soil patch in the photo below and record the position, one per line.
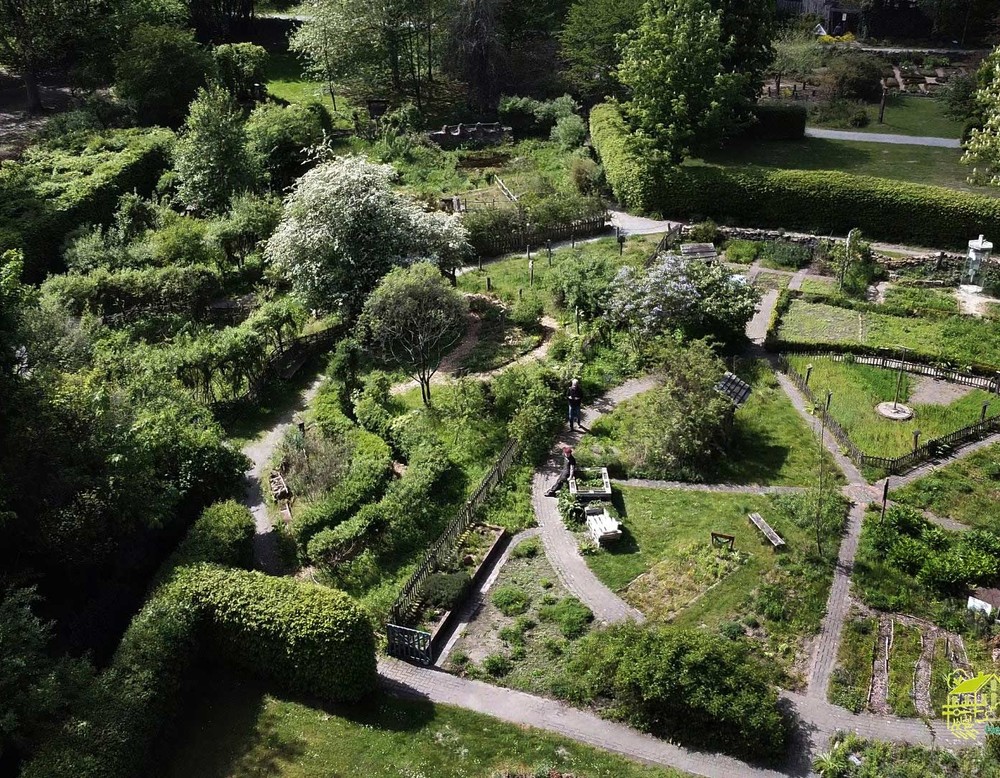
(933, 391)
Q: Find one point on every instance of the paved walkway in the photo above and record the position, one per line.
(265, 542)
(639, 225)
(897, 481)
(880, 137)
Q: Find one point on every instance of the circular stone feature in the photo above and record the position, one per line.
(899, 413)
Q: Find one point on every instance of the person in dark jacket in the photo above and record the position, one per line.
(568, 471)
(575, 398)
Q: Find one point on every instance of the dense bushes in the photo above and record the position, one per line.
(822, 201)
(307, 638)
(778, 121)
(53, 189)
(685, 684)
(527, 116)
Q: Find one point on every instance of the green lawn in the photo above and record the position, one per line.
(967, 490)
(234, 729)
(857, 389)
(909, 115)
(770, 444)
(819, 285)
(902, 660)
(286, 81)
(917, 299)
(780, 597)
(963, 340)
(853, 673)
(919, 164)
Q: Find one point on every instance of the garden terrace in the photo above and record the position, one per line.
(666, 566)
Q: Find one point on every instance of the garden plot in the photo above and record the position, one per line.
(967, 490)
(665, 565)
(857, 389)
(523, 632)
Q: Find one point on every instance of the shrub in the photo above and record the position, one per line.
(570, 614)
(855, 76)
(222, 535)
(569, 132)
(704, 232)
(511, 600)
(497, 665)
(445, 590)
(841, 113)
(785, 254)
(685, 684)
(159, 73)
(527, 549)
(279, 138)
(778, 120)
(742, 252)
(310, 639)
(527, 312)
(819, 200)
(587, 175)
(239, 68)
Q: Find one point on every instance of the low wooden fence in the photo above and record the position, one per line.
(667, 242)
(404, 609)
(521, 240)
(891, 465)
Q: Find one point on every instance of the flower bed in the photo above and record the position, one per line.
(592, 484)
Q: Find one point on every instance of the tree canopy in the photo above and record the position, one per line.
(590, 44)
(344, 227)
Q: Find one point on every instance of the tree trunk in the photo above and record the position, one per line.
(34, 95)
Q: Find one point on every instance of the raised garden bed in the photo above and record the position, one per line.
(591, 484)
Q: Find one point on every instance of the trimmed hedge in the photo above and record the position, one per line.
(131, 293)
(52, 190)
(821, 201)
(778, 121)
(307, 638)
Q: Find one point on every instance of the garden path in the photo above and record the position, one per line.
(880, 137)
(266, 556)
(934, 464)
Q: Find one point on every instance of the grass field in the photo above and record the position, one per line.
(916, 299)
(967, 490)
(778, 597)
(902, 659)
(963, 340)
(853, 673)
(235, 729)
(909, 115)
(286, 81)
(918, 164)
(770, 444)
(857, 389)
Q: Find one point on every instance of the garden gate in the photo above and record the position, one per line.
(413, 645)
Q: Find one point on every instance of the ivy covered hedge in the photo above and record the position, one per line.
(55, 188)
(821, 201)
(304, 637)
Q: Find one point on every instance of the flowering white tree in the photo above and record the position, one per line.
(677, 294)
(344, 227)
(982, 149)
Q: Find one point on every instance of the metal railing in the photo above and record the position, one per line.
(409, 598)
(891, 465)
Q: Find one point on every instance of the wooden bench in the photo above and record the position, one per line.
(764, 527)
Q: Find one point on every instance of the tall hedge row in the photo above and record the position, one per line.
(822, 201)
(52, 190)
(309, 639)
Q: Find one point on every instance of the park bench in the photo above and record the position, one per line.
(601, 526)
(764, 527)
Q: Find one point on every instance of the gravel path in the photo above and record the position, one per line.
(881, 137)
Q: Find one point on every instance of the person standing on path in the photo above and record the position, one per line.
(568, 471)
(575, 398)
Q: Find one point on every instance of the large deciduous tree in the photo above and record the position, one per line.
(681, 96)
(344, 227)
(589, 43)
(211, 158)
(412, 318)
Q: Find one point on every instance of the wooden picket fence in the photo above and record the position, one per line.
(409, 600)
(891, 465)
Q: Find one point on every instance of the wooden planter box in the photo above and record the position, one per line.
(602, 493)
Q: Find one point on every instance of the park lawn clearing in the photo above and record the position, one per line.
(903, 658)
(235, 728)
(917, 299)
(769, 444)
(286, 81)
(776, 598)
(967, 490)
(963, 340)
(766, 280)
(534, 642)
(918, 164)
(824, 286)
(909, 115)
(858, 388)
(853, 674)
